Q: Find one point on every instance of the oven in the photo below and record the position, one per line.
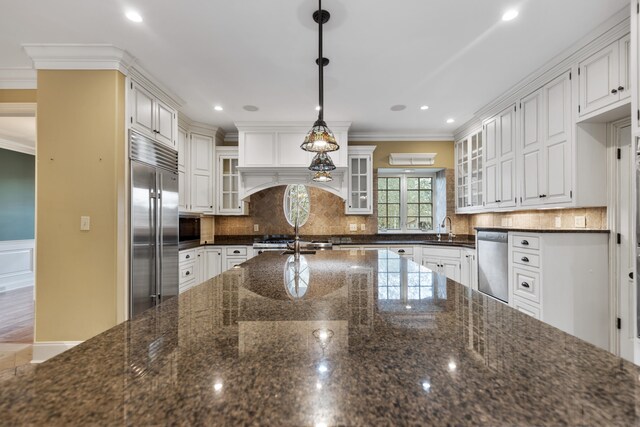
(189, 231)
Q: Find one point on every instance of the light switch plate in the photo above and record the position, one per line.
(504, 222)
(558, 222)
(363, 227)
(353, 227)
(580, 221)
(256, 227)
(85, 223)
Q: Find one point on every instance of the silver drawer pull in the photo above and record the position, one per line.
(525, 285)
(525, 259)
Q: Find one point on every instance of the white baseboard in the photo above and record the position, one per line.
(43, 351)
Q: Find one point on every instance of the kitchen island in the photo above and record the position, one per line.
(336, 338)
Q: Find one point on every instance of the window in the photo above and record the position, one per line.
(296, 204)
(405, 203)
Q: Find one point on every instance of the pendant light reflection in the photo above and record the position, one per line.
(322, 177)
(322, 163)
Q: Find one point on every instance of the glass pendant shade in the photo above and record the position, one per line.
(322, 163)
(320, 139)
(322, 177)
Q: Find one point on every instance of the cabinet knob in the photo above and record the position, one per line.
(210, 207)
(524, 243)
(525, 285)
(614, 91)
(188, 256)
(400, 251)
(620, 88)
(525, 259)
(187, 273)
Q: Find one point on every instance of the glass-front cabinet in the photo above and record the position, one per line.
(469, 167)
(360, 180)
(228, 182)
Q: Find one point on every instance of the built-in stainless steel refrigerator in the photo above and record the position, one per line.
(154, 223)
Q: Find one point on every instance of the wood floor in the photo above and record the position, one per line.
(16, 316)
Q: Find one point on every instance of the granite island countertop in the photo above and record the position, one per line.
(362, 338)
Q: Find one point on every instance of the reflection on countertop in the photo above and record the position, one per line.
(373, 340)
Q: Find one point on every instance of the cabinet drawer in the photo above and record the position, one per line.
(527, 308)
(185, 286)
(232, 262)
(187, 272)
(187, 255)
(526, 284)
(525, 258)
(525, 242)
(240, 251)
(402, 250)
(440, 252)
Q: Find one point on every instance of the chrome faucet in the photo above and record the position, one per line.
(450, 229)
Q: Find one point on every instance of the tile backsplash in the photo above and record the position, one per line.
(562, 219)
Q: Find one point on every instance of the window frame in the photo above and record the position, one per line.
(404, 201)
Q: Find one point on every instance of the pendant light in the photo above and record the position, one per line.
(322, 163)
(322, 177)
(320, 139)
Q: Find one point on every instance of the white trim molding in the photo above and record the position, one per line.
(412, 159)
(18, 109)
(17, 262)
(79, 57)
(399, 137)
(45, 350)
(17, 146)
(18, 78)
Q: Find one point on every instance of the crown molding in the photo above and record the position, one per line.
(17, 146)
(79, 57)
(18, 109)
(146, 79)
(295, 126)
(18, 78)
(399, 137)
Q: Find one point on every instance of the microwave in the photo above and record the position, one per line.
(189, 229)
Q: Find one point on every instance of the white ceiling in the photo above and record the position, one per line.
(453, 55)
(19, 129)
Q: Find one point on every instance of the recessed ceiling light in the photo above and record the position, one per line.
(134, 16)
(424, 107)
(318, 108)
(218, 108)
(509, 15)
(251, 108)
(398, 107)
(450, 120)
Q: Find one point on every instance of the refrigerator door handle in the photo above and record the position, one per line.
(160, 252)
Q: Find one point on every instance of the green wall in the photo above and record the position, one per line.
(17, 195)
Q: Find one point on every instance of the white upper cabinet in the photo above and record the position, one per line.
(469, 173)
(360, 180)
(228, 183)
(604, 77)
(183, 184)
(500, 139)
(201, 173)
(151, 116)
(532, 148)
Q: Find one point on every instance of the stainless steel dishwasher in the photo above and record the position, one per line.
(493, 264)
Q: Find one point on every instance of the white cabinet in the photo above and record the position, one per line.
(604, 77)
(152, 116)
(228, 183)
(188, 269)
(444, 261)
(469, 268)
(360, 180)
(196, 179)
(545, 144)
(212, 262)
(500, 154)
(469, 173)
(234, 255)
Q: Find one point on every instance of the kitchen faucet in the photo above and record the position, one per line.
(450, 229)
(295, 246)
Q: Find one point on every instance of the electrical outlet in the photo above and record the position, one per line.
(558, 221)
(85, 223)
(353, 227)
(363, 227)
(256, 227)
(504, 222)
(580, 222)
(509, 222)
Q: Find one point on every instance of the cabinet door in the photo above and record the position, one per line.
(507, 170)
(183, 176)
(557, 141)
(431, 264)
(451, 268)
(213, 263)
(491, 157)
(229, 263)
(289, 152)
(142, 110)
(360, 183)
(532, 147)
(624, 67)
(165, 123)
(200, 266)
(598, 76)
(462, 173)
(201, 168)
(228, 186)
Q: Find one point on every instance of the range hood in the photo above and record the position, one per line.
(269, 155)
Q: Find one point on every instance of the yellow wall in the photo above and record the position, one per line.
(80, 170)
(18, 95)
(444, 149)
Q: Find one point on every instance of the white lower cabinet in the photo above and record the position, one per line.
(200, 264)
(469, 268)
(563, 280)
(443, 260)
(212, 262)
(187, 269)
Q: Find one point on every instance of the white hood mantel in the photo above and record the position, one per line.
(269, 155)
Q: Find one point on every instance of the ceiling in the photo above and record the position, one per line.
(19, 129)
(454, 56)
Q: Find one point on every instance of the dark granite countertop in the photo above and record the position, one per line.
(394, 344)
(547, 230)
(466, 241)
